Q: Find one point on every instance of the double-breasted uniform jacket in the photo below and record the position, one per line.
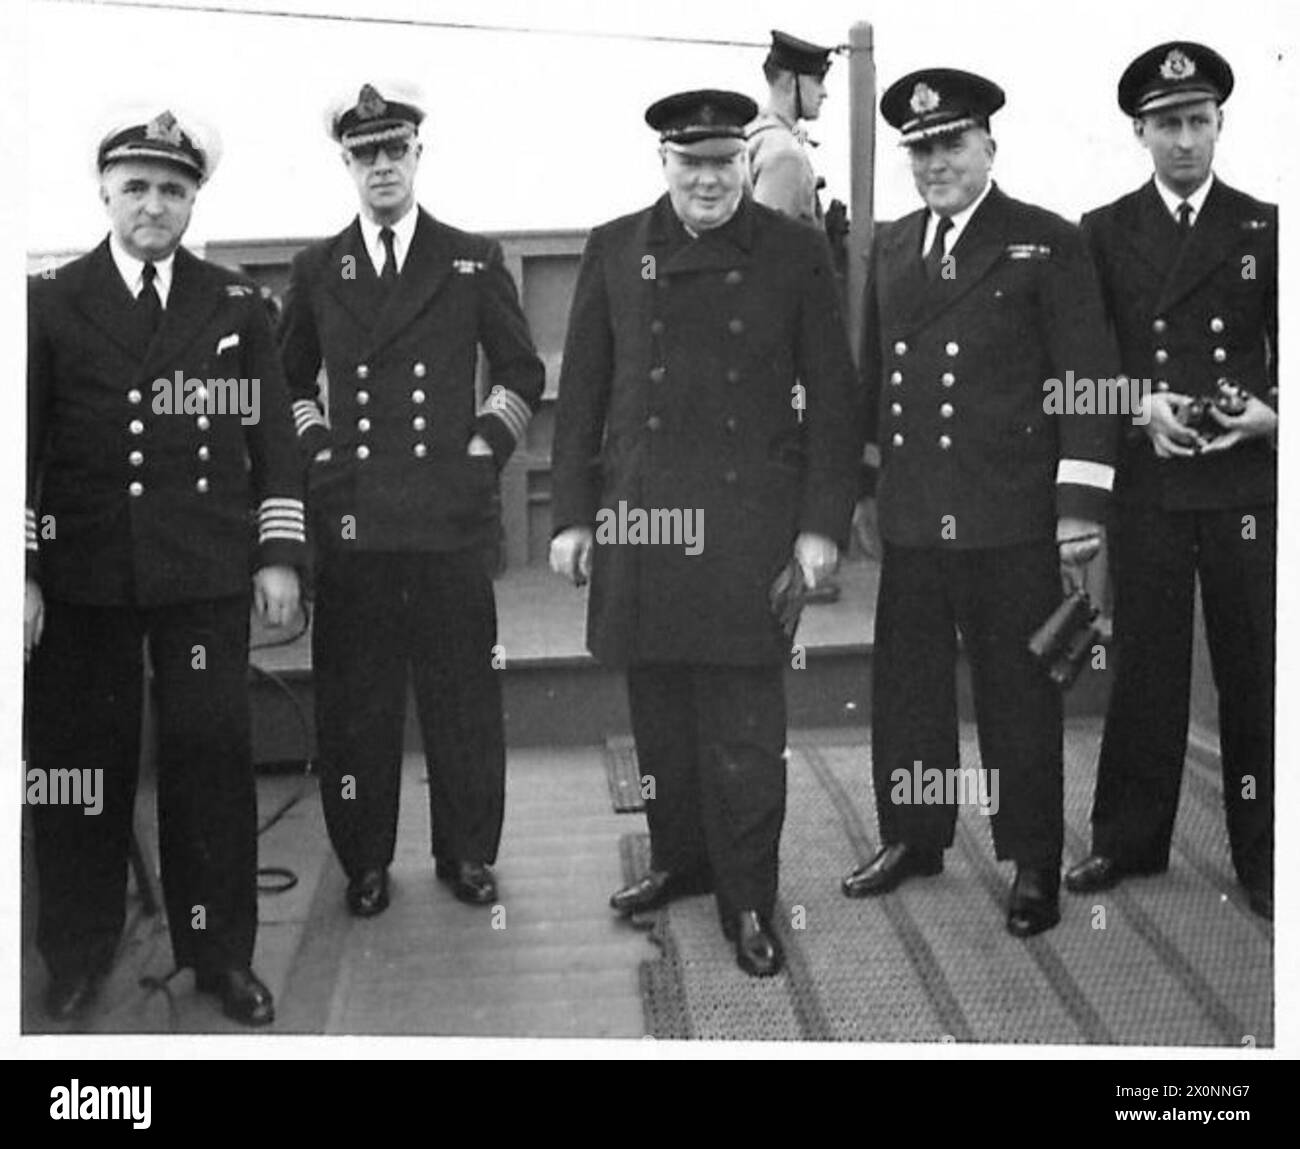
(1188, 315)
(130, 500)
(780, 171)
(971, 453)
(401, 405)
(708, 375)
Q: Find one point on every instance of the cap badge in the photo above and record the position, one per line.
(708, 115)
(164, 129)
(924, 99)
(370, 104)
(1178, 65)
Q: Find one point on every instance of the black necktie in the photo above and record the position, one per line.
(934, 257)
(147, 304)
(1184, 220)
(388, 276)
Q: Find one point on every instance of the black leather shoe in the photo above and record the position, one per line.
(758, 949)
(71, 995)
(890, 866)
(368, 893)
(1095, 872)
(1035, 903)
(658, 888)
(471, 882)
(243, 996)
(1261, 901)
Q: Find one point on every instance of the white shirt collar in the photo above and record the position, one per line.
(1173, 200)
(959, 222)
(131, 270)
(403, 230)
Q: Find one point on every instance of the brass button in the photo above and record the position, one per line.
(730, 477)
(951, 349)
(944, 442)
(135, 458)
(1162, 356)
(657, 374)
(363, 397)
(420, 450)
(656, 327)
(1162, 385)
(736, 326)
(1216, 325)
(363, 424)
(203, 422)
(1159, 326)
(133, 396)
(734, 277)
(947, 378)
(135, 427)
(895, 409)
(945, 410)
(419, 423)
(419, 370)
(898, 440)
(363, 372)
(417, 396)
(204, 454)
(900, 348)
(136, 489)
(1220, 355)
(730, 422)
(654, 422)
(363, 452)
(733, 374)
(201, 485)
(895, 377)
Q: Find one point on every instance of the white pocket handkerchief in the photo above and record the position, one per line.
(228, 341)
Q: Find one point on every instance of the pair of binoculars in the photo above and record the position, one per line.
(1229, 397)
(1063, 643)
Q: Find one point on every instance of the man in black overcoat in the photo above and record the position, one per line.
(708, 389)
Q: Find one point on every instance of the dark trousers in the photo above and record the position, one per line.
(84, 699)
(995, 599)
(1158, 556)
(712, 738)
(378, 614)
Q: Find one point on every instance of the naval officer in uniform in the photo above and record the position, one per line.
(706, 373)
(986, 498)
(138, 531)
(403, 462)
(780, 171)
(1189, 270)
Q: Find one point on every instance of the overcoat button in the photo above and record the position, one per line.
(1162, 356)
(736, 326)
(734, 277)
(1216, 325)
(947, 378)
(898, 440)
(900, 348)
(363, 452)
(730, 477)
(201, 485)
(1159, 326)
(419, 422)
(135, 427)
(363, 372)
(363, 397)
(895, 409)
(733, 374)
(203, 422)
(135, 458)
(945, 410)
(895, 377)
(136, 489)
(657, 374)
(654, 422)
(1162, 385)
(419, 370)
(417, 396)
(203, 453)
(1220, 355)
(952, 349)
(133, 396)
(656, 327)
(420, 450)
(363, 425)
(944, 442)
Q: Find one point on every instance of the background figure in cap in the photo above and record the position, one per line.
(780, 171)
(706, 376)
(986, 497)
(1189, 270)
(137, 530)
(403, 457)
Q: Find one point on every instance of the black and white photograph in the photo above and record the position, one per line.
(651, 530)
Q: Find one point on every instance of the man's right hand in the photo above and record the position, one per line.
(1170, 437)
(33, 619)
(571, 554)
